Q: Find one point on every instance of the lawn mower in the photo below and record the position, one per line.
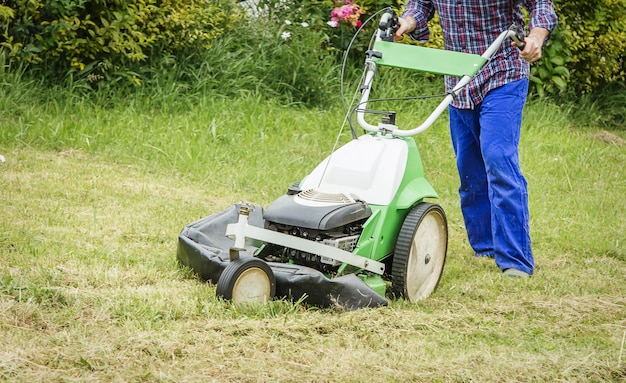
(358, 227)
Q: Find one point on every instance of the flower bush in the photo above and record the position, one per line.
(348, 12)
(345, 19)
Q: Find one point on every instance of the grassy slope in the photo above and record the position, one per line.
(93, 199)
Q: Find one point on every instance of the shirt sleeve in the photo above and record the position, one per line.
(542, 14)
(421, 11)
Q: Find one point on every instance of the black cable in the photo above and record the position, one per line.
(343, 67)
(356, 108)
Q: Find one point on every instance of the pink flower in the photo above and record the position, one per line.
(348, 13)
(345, 11)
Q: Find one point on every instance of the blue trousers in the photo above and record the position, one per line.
(493, 191)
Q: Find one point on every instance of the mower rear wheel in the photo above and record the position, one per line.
(420, 252)
(247, 280)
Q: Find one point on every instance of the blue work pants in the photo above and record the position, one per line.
(493, 191)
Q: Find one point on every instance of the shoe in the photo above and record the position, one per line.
(515, 273)
(483, 255)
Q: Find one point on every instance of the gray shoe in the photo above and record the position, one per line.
(515, 273)
(484, 255)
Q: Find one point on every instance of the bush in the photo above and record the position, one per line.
(99, 43)
(595, 32)
(284, 59)
(550, 76)
(102, 39)
(282, 51)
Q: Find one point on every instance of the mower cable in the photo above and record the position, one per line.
(347, 115)
(343, 68)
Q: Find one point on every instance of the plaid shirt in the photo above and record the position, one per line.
(471, 26)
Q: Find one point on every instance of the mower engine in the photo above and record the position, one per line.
(332, 219)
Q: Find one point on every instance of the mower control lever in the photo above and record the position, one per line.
(388, 25)
(372, 53)
(518, 37)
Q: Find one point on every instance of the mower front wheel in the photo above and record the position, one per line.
(420, 252)
(247, 280)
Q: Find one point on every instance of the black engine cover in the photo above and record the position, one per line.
(286, 211)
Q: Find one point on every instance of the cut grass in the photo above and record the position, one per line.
(93, 199)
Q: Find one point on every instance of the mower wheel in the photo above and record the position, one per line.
(247, 280)
(420, 252)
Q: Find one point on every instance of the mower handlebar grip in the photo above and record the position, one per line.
(388, 25)
(518, 36)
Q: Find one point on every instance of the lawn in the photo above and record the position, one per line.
(93, 198)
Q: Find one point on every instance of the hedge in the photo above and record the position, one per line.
(101, 37)
(108, 38)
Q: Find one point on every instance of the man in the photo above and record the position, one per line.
(486, 117)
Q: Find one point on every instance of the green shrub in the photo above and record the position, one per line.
(102, 39)
(6, 14)
(284, 52)
(596, 36)
(550, 76)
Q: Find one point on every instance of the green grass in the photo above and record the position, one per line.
(94, 193)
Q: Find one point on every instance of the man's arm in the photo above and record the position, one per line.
(543, 20)
(407, 25)
(414, 20)
(534, 44)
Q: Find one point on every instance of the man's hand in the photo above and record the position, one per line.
(534, 44)
(407, 25)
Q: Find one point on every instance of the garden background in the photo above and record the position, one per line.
(123, 121)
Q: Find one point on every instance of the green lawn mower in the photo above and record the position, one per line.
(358, 227)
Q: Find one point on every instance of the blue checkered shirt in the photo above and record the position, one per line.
(471, 26)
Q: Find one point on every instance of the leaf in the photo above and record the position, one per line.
(548, 65)
(540, 91)
(561, 71)
(6, 13)
(557, 60)
(536, 80)
(559, 82)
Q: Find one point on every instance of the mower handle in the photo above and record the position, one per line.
(518, 37)
(393, 129)
(388, 25)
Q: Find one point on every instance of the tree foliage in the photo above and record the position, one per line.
(586, 51)
(595, 33)
(105, 37)
(111, 40)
